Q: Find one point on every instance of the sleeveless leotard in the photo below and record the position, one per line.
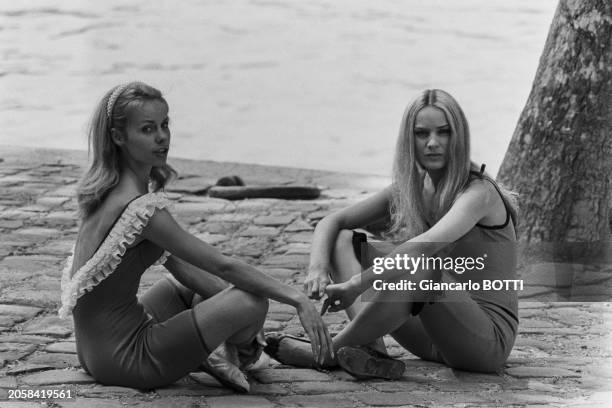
(118, 342)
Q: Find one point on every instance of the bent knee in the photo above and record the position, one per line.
(344, 240)
(250, 301)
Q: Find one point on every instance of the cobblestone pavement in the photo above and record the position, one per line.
(562, 357)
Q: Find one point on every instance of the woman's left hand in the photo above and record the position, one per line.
(340, 296)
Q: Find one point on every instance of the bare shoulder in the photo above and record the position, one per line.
(485, 195)
(481, 190)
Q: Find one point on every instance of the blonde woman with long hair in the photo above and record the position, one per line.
(440, 204)
(125, 227)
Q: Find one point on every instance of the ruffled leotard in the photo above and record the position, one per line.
(119, 340)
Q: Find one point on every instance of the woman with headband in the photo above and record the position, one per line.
(125, 227)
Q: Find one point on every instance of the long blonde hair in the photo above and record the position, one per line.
(105, 169)
(408, 213)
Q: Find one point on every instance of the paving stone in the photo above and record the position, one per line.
(23, 338)
(298, 205)
(472, 377)
(10, 224)
(298, 226)
(64, 191)
(273, 220)
(269, 375)
(51, 202)
(26, 312)
(317, 215)
(199, 390)
(540, 344)
(256, 206)
(282, 317)
(239, 401)
(60, 248)
(408, 382)
(396, 398)
(518, 397)
(90, 403)
(560, 332)
(15, 404)
(57, 360)
(536, 323)
(231, 217)
(272, 326)
(280, 273)
(8, 382)
(109, 391)
(9, 321)
(26, 348)
(63, 219)
(327, 387)
(50, 325)
(296, 248)
(39, 209)
(173, 402)
(19, 214)
(24, 368)
(543, 387)
(212, 239)
(58, 377)
(32, 264)
(299, 237)
(268, 389)
(61, 347)
(287, 261)
(199, 209)
(319, 401)
(12, 355)
(253, 231)
(32, 296)
(529, 372)
(221, 228)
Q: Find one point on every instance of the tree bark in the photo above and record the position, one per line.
(560, 156)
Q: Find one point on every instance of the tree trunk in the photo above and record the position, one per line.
(560, 156)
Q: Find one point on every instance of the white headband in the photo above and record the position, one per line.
(113, 98)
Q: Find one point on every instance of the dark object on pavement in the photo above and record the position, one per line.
(230, 181)
(284, 192)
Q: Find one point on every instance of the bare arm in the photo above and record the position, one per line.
(474, 204)
(200, 281)
(163, 230)
(326, 233)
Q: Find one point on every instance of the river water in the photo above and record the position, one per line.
(316, 84)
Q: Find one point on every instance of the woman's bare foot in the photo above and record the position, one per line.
(294, 351)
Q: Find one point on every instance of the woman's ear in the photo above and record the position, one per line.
(117, 137)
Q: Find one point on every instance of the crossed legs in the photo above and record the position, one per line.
(456, 331)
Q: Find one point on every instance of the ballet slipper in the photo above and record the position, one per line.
(223, 364)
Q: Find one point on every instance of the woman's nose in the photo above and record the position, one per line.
(161, 136)
(433, 140)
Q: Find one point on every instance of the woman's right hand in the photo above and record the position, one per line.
(316, 281)
(320, 340)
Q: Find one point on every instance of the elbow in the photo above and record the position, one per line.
(331, 221)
